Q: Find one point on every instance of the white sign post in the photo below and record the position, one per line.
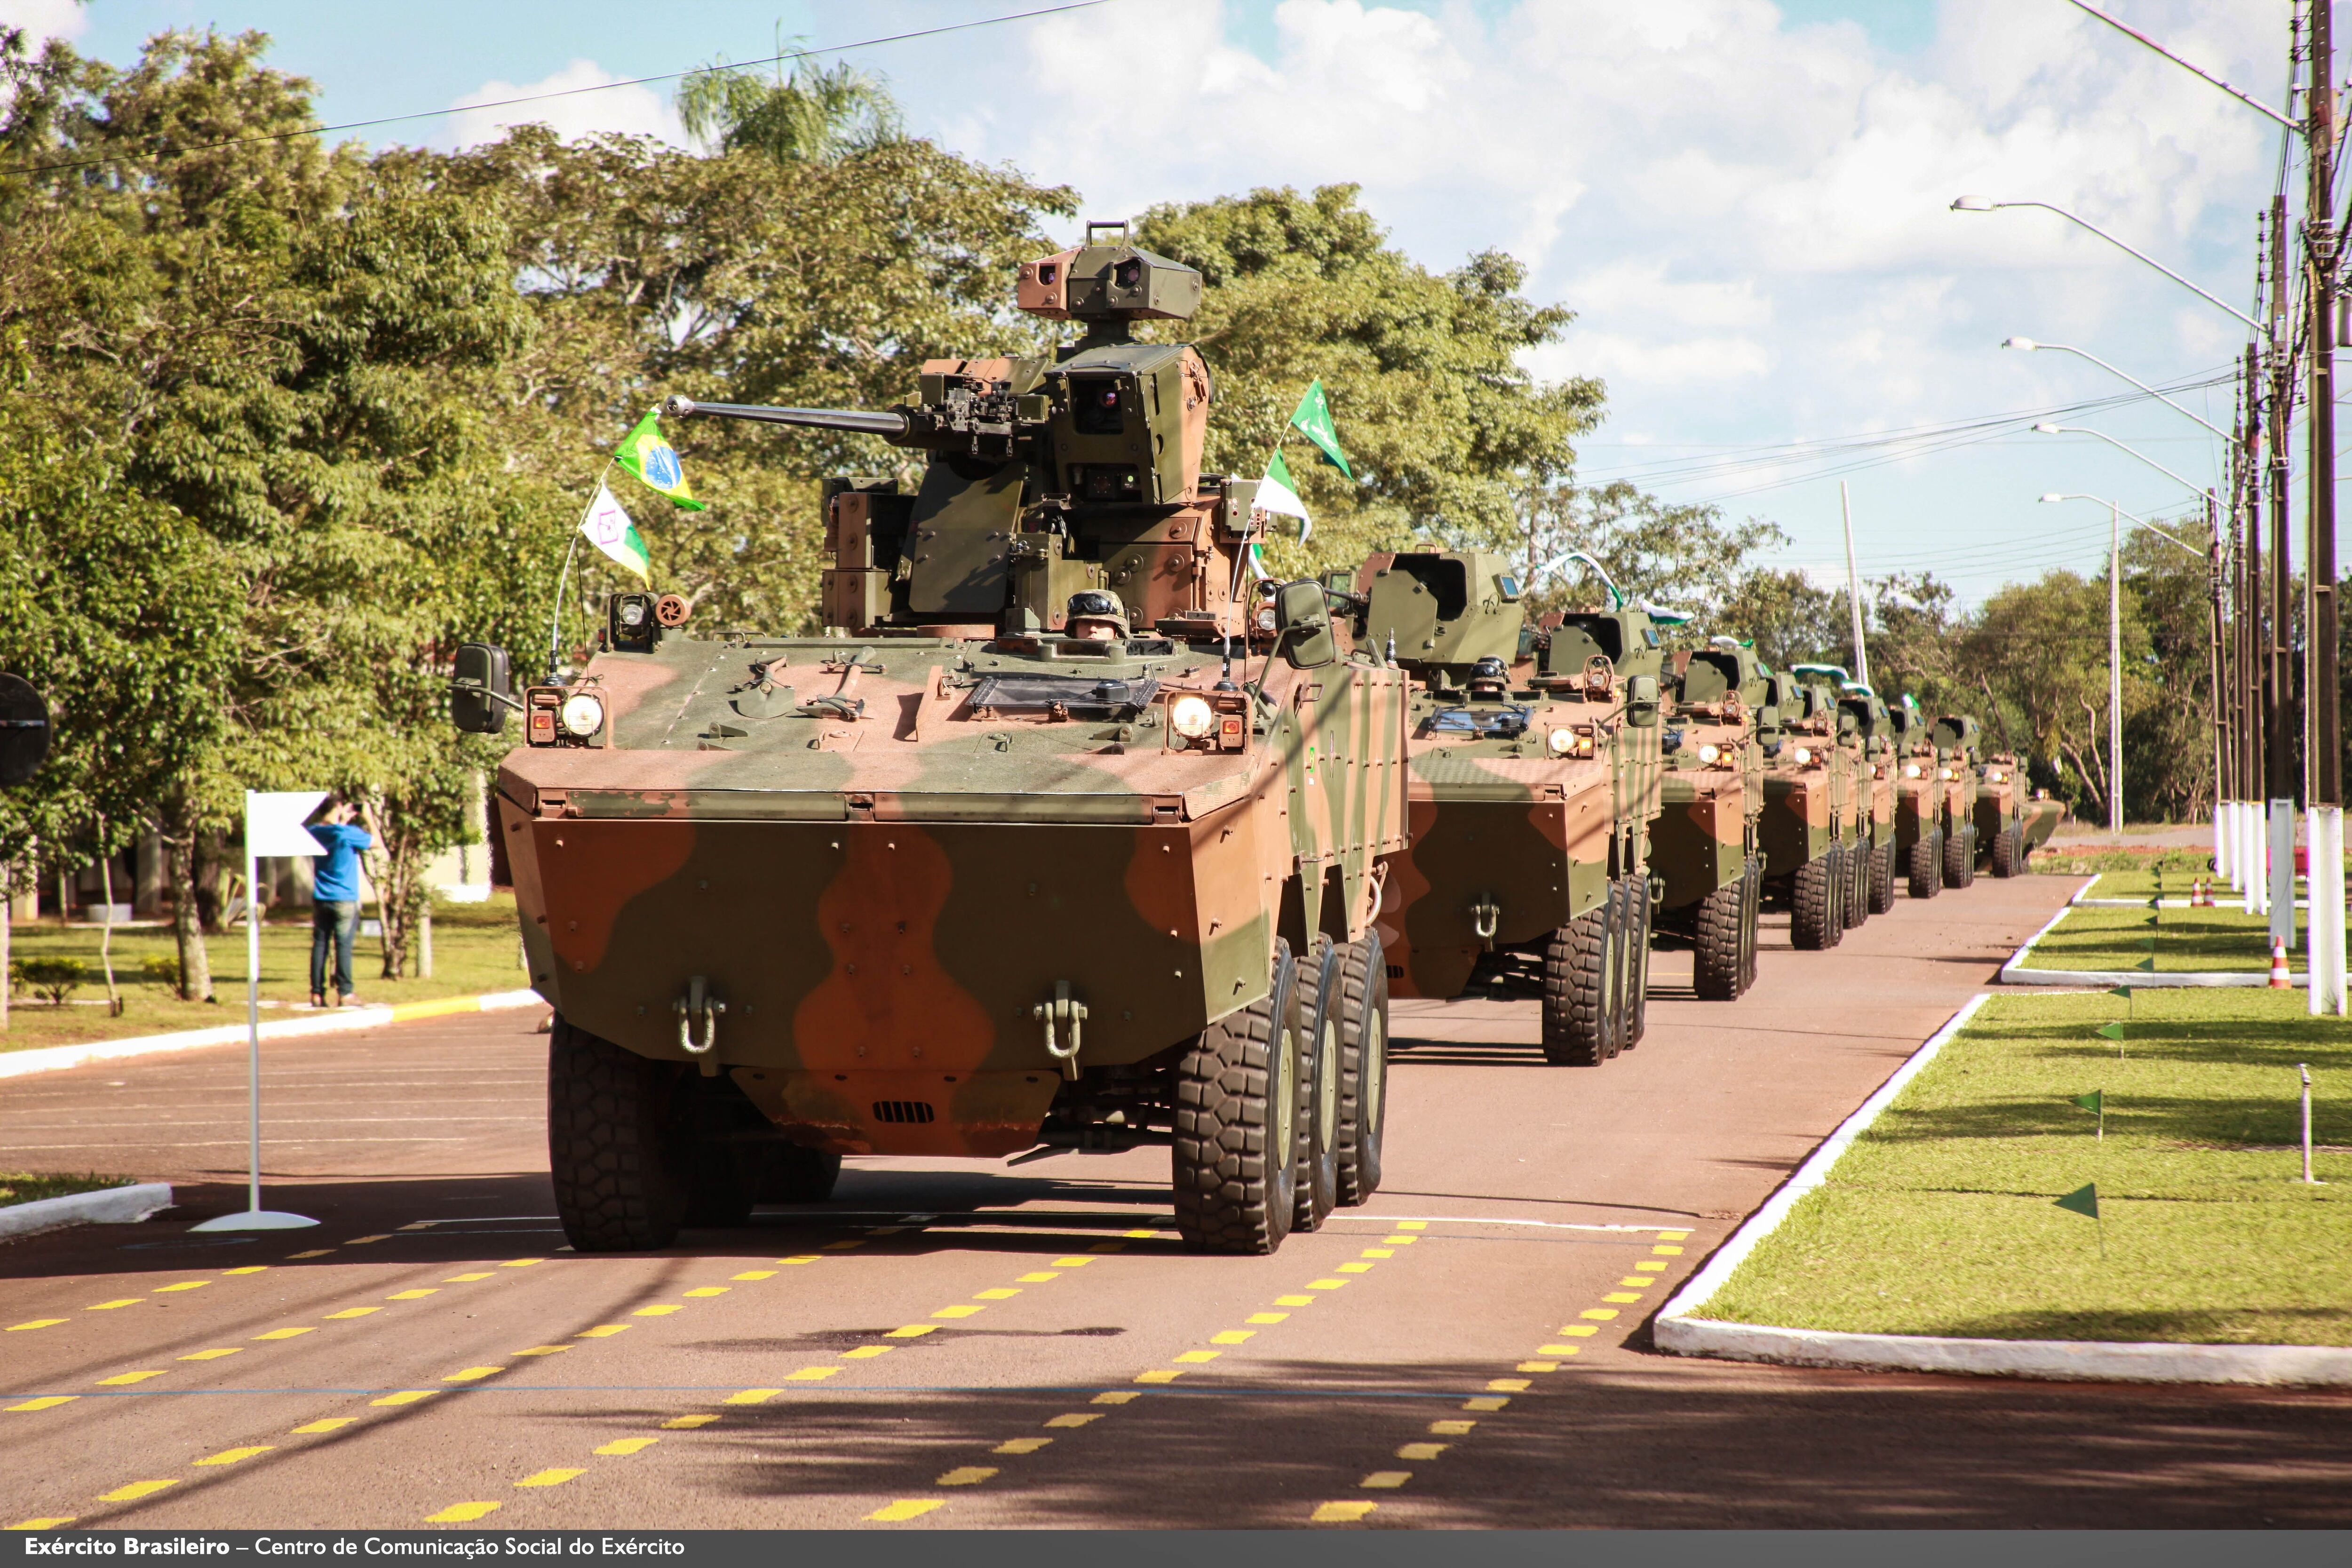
(273, 826)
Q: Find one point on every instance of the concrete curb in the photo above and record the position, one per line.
(2016, 971)
(108, 1206)
(51, 1058)
(2084, 1361)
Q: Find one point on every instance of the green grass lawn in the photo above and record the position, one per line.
(23, 1187)
(2186, 939)
(2178, 862)
(1940, 1220)
(475, 949)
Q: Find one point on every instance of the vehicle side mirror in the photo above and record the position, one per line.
(1304, 615)
(481, 689)
(1642, 700)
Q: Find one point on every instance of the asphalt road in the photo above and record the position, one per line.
(977, 1345)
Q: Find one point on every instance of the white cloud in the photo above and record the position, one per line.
(44, 19)
(1751, 219)
(626, 111)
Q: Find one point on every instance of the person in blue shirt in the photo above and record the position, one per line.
(335, 898)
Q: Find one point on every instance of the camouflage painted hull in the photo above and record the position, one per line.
(2042, 820)
(1918, 811)
(1701, 839)
(885, 902)
(1800, 821)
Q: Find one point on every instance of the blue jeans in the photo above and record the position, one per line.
(342, 922)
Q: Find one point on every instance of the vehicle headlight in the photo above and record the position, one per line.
(633, 613)
(1945, 773)
(1996, 776)
(1563, 742)
(1191, 718)
(1804, 755)
(583, 715)
(1708, 754)
(1910, 770)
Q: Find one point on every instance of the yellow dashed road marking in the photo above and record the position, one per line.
(1070, 1262)
(812, 1375)
(183, 1285)
(754, 1274)
(1114, 1397)
(1076, 1418)
(1342, 1512)
(1602, 1314)
(866, 1353)
(1385, 1480)
(110, 1306)
(1399, 1240)
(548, 1477)
(1485, 1403)
(406, 1396)
(1039, 1278)
(464, 1279)
(1667, 1251)
(50, 1401)
(43, 1524)
(283, 1333)
(1003, 1293)
(1673, 1236)
(136, 1490)
(36, 1323)
(124, 1379)
(753, 1396)
(1537, 1366)
(328, 1424)
(601, 1331)
(1652, 1263)
(965, 1476)
(1377, 1252)
(1163, 1375)
(804, 1257)
(1020, 1446)
(352, 1312)
(1324, 1285)
(1580, 1331)
(248, 1268)
(544, 1350)
(231, 1456)
(1558, 1349)
(365, 1240)
(1294, 1300)
(1354, 1268)
(473, 1373)
(957, 1311)
(520, 1262)
(1267, 1318)
(1233, 1336)
(661, 1311)
(1451, 1428)
(707, 1290)
(314, 1252)
(1507, 1385)
(1421, 1450)
(211, 1355)
(911, 1332)
(688, 1423)
(905, 1508)
(461, 1514)
(412, 1295)
(620, 1448)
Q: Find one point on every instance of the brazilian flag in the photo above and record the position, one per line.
(654, 460)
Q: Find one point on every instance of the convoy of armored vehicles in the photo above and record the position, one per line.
(1073, 831)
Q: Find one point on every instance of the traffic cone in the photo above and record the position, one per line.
(2279, 978)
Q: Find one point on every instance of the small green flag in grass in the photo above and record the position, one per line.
(2123, 991)
(2111, 1031)
(2084, 1200)
(2147, 963)
(2096, 1101)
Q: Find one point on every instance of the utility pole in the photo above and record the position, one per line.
(2324, 739)
(1853, 588)
(2279, 779)
(2252, 664)
(2218, 677)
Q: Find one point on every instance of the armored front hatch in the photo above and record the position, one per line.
(1065, 835)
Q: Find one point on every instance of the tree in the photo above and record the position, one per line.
(1442, 424)
(817, 114)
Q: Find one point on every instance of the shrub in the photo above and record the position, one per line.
(55, 978)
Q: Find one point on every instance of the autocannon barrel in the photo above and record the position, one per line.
(859, 420)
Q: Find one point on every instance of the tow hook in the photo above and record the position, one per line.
(699, 1004)
(1062, 1010)
(1485, 916)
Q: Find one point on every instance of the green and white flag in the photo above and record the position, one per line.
(610, 530)
(644, 454)
(1312, 419)
(1277, 493)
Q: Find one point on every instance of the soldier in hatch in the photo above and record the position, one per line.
(1096, 616)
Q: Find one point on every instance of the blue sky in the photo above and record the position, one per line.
(1744, 201)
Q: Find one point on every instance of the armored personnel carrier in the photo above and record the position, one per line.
(1061, 837)
(1808, 818)
(1920, 802)
(1703, 858)
(1959, 746)
(1533, 782)
(2002, 814)
(1876, 770)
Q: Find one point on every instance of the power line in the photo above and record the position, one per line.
(569, 92)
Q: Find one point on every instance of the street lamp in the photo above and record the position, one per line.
(1985, 205)
(2029, 345)
(2045, 428)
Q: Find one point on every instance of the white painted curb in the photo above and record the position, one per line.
(108, 1206)
(1678, 1332)
(2016, 971)
(50, 1059)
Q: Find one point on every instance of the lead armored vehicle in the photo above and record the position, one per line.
(1809, 793)
(1534, 779)
(1703, 856)
(1060, 837)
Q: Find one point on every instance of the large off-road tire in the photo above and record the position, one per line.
(1882, 878)
(1235, 1163)
(620, 1167)
(1927, 869)
(1719, 950)
(1961, 857)
(1637, 1001)
(1813, 905)
(1363, 1009)
(792, 1174)
(1750, 914)
(1580, 1005)
(2006, 861)
(1857, 886)
(1316, 1183)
